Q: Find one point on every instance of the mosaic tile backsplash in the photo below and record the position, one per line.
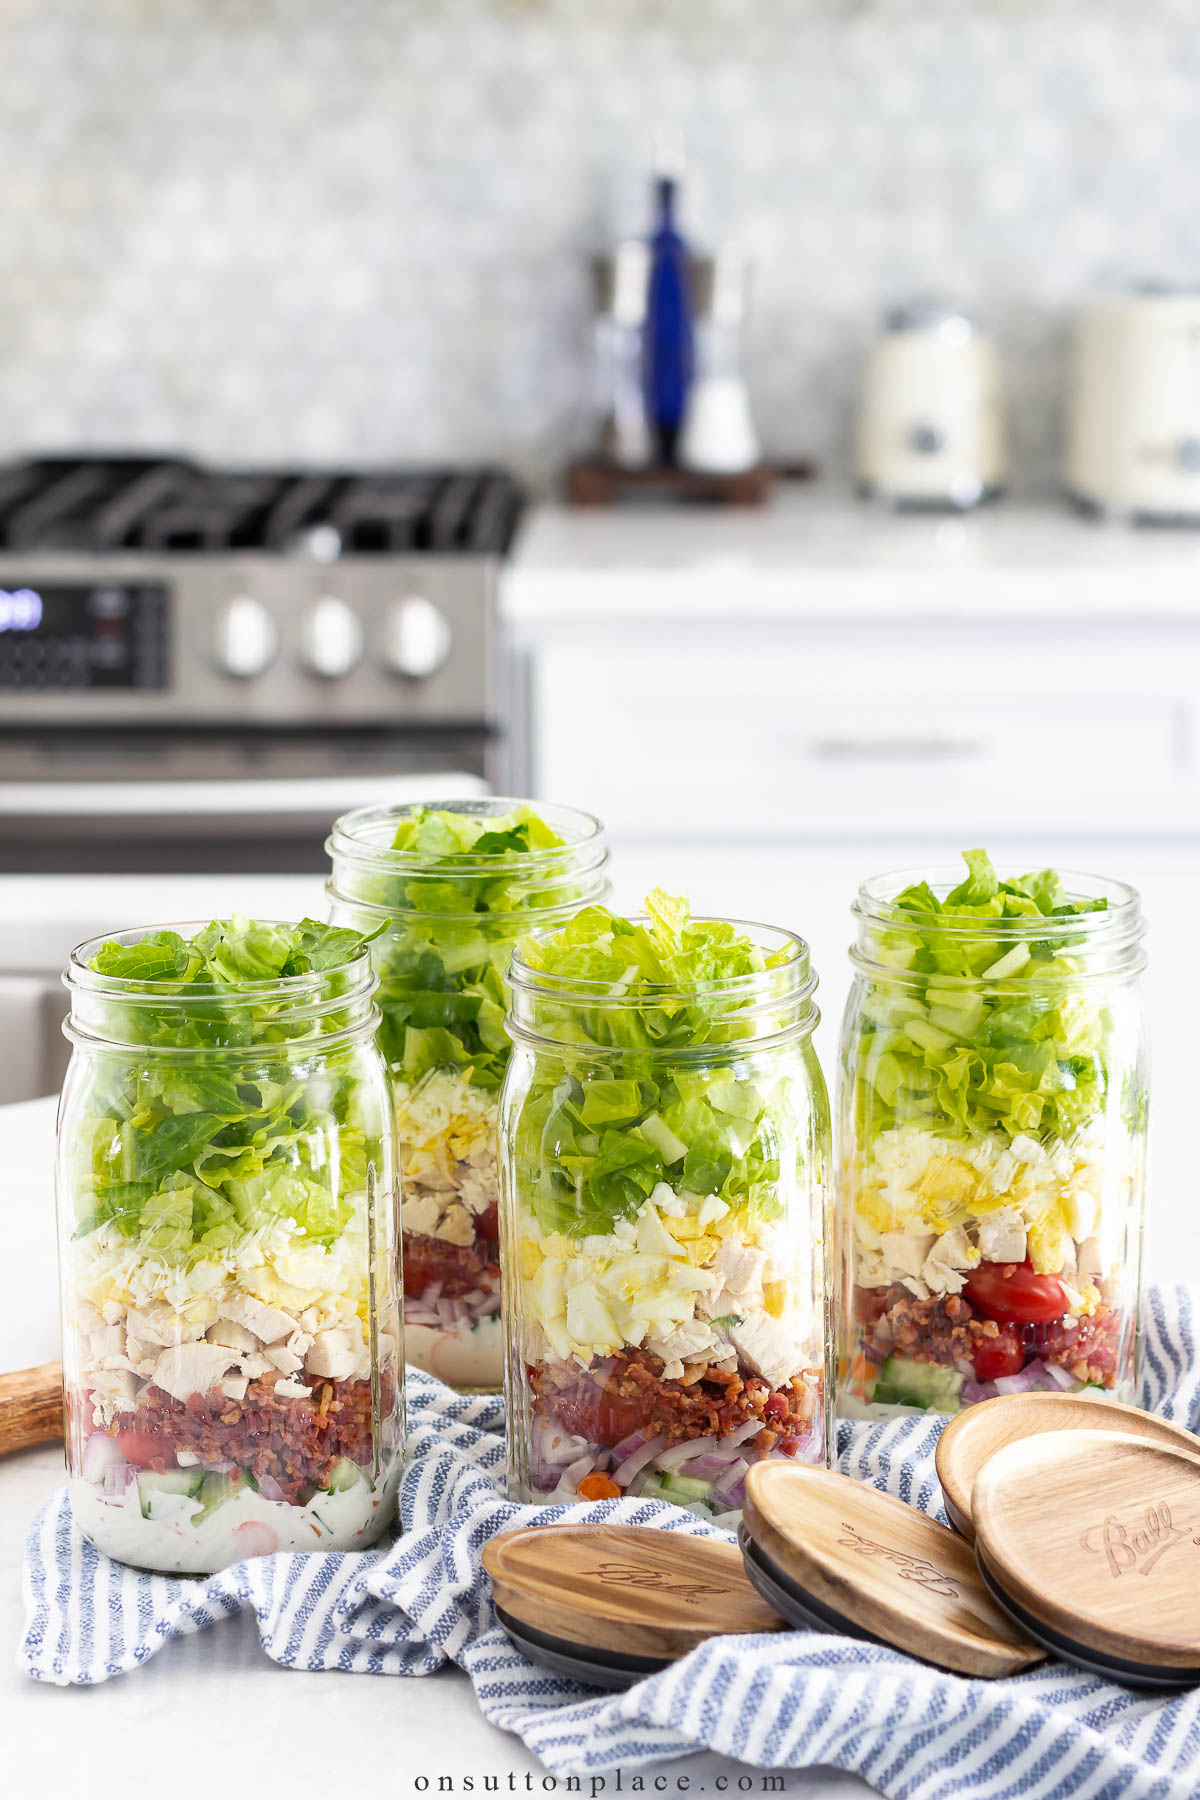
(262, 229)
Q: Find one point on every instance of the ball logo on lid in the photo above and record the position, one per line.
(1129, 1552)
(615, 1574)
(909, 1568)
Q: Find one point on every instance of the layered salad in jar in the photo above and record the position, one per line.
(994, 1106)
(446, 899)
(664, 1160)
(232, 1355)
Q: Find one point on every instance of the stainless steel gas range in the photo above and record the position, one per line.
(198, 669)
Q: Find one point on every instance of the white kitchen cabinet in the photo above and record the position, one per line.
(819, 729)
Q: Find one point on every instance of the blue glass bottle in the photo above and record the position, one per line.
(667, 346)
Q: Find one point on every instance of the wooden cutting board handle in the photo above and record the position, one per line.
(31, 1407)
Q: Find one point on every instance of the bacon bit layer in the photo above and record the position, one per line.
(948, 1329)
(458, 1269)
(618, 1395)
(296, 1442)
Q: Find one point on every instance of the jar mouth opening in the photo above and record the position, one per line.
(335, 986)
(1120, 921)
(792, 978)
(363, 837)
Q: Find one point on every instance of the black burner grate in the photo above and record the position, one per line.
(164, 505)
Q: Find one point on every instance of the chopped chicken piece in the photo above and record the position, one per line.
(295, 1390)
(740, 1269)
(253, 1364)
(332, 1355)
(116, 1385)
(234, 1387)
(1002, 1236)
(285, 1360)
(234, 1337)
(767, 1348)
(185, 1369)
(686, 1341)
(916, 1287)
(301, 1343)
(477, 1187)
(943, 1269)
(672, 1371)
(420, 1213)
(456, 1226)
(105, 1343)
(1089, 1259)
(267, 1323)
(904, 1254)
(159, 1327)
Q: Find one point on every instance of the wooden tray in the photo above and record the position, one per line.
(31, 1407)
(979, 1431)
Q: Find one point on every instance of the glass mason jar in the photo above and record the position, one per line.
(993, 1126)
(445, 924)
(232, 1358)
(663, 1224)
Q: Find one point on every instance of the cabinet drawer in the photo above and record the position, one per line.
(826, 740)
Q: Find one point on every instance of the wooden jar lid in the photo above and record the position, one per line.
(979, 1431)
(610, 1603)
(1091, 1542)
(836, 1554)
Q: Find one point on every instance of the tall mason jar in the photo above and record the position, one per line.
(446, 889)
(664, 1157)
(993, 1130)
(232, 1358)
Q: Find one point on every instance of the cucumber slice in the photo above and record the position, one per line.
(216, 1489)
(929, 1385)
(171, 1481)
(346, 1474)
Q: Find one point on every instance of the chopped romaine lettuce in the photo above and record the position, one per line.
(188, 1153)
(443, 958)
(1027, 1055)
(597, 1133)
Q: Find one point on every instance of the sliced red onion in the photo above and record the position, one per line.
(975, 1391)
(681, 1453)
(707, 1468)
(100, 1454)
(628, 1445)
(1062, 1376)
(742, 1435)
(733, 1477)
(118, 1479)
(1024, 1381)
(574, 1472)
(270, 1489)
(555, 1446)
(634, 1463)
(735, 1496)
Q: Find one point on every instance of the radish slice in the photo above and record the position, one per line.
(256, 1539)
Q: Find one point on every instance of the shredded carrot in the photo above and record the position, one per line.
(598, 1487)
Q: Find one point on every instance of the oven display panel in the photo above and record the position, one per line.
(106, 635)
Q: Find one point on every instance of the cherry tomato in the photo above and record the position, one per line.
(998, 1356)
(1014, 1293)
(603, 1418)
(428, 1259)
(487, 1225)
(144, 1448)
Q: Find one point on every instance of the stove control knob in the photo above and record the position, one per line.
(247, 638)
(417, 640)
(332, 638)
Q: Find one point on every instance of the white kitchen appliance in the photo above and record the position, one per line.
(931, 423)
(1133, 443)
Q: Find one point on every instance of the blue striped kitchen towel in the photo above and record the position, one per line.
(792, 1700)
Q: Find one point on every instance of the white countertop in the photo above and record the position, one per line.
(816, 549)
(100, 1743)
